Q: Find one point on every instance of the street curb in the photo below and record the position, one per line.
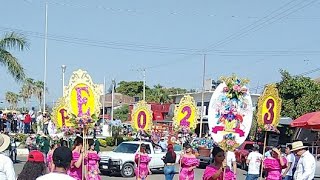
(22, 152)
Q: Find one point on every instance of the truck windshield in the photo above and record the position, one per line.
(126, 148)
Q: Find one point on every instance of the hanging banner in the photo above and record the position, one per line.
(141, 116)
(81, 101)
(185, 114)
(230, 113)
(269, 108)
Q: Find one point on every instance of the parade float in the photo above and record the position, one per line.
(78, 110)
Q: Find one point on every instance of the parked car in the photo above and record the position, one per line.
(243, 151)
(121, 159)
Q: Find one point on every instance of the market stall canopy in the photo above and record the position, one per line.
(309, 121)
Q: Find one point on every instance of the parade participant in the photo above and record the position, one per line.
(6, 165)
(287, 173)
(274, 165)
(306, 166)
(92, 162)
(49, 156)
(188, 163)
(142, 161)
(169, 161)
(218, 168)
(44, 144)
(231, 161)
(75, 170)
(253, 161)
(62, 157)
(34, 167)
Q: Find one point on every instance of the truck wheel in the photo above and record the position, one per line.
(127, 170)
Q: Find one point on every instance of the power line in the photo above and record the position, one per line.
(159, 49)
(301, 74)
(262, 22)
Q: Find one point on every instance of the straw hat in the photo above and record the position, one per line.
(297, 146)
(4, 142)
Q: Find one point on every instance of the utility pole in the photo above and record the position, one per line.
(144, 84)
(202, 94)
(104, 99)
(112, 98)
(45, 57)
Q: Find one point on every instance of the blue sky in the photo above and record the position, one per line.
(113, 38)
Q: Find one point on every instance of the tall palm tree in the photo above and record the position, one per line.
(27, 90)
(38, 91)
(12, 41)
(13, 99)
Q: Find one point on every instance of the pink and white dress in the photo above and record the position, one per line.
(273, 168)
(142, 169)
(73, 170)
(186, 163)
(211, 170)
(91, 162)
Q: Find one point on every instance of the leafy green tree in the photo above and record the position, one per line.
(122, 113)
(299, 95)
(13, 99)
(131, 88)
(8, 60)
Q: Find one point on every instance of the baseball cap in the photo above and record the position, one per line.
(35, 156)
(62, 155)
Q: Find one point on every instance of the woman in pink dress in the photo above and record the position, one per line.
(142, 160)
(188, 163)
(92, 163)
(218, 168)
(49, 157)
(274, 164)
(75, 169)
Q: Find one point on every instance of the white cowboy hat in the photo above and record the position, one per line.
(4, 142)
(297, 146)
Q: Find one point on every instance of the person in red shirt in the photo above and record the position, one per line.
(27, 121)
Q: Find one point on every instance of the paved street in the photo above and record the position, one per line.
(156, 176)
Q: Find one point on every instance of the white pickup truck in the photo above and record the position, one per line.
(121, 159)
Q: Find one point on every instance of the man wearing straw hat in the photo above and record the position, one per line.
(6, 165)
(306, 166)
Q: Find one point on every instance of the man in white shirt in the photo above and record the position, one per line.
(6, 165)
(61, 157)
(306, 166)
(163, 144)
(287, 173)
(231, 161)
(254, 160)
(39, 121)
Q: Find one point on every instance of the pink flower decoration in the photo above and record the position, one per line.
(237, 88)
(225, 89)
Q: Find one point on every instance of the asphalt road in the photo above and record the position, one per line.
(155, 176)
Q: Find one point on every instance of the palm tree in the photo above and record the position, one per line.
(13, 99)
(27, 90)
(12, 41)
(38, 92)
